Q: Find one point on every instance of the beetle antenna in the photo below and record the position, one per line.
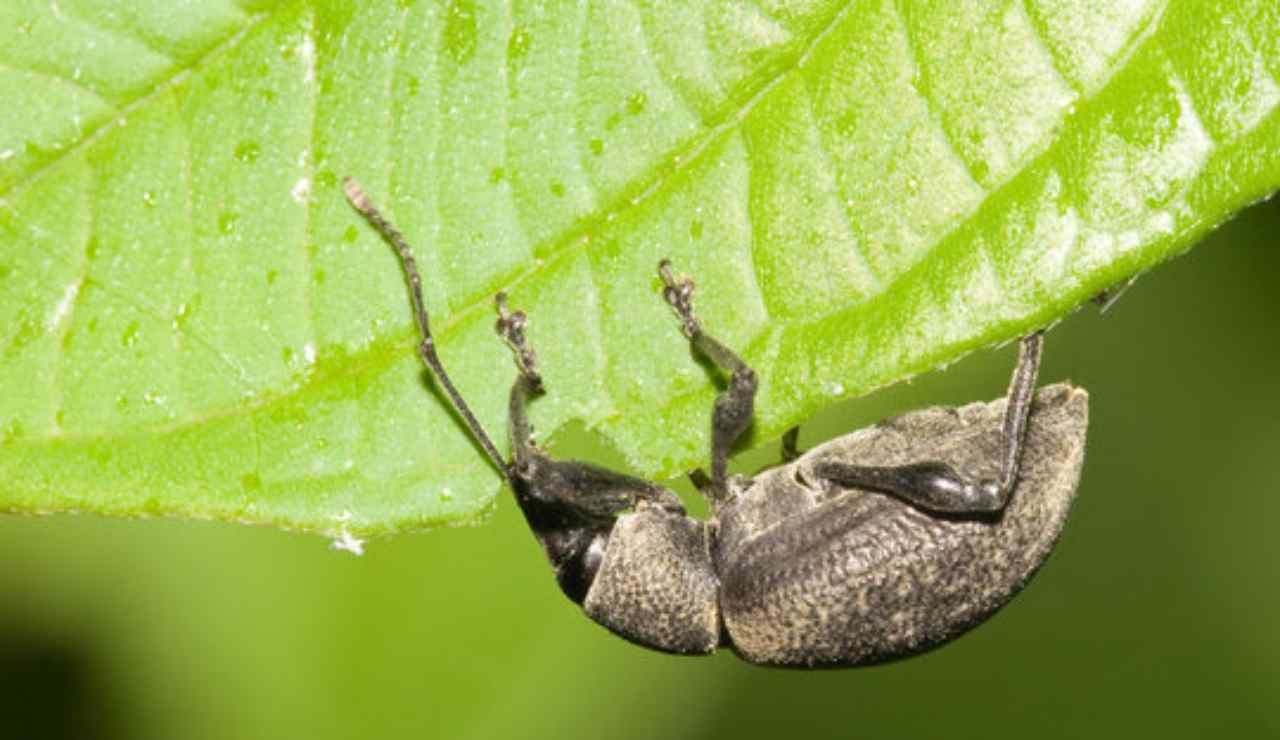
(427, 348)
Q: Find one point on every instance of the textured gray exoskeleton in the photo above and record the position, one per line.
(874, 546)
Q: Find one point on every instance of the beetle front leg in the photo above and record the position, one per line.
(733, 408)
(528, 383)
(594, 491)
(939, 487)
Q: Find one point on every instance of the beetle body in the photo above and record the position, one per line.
(874, 546)
(797, 571)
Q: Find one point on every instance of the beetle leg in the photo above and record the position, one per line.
(1022, 387)
(790, 441)
(590, 489)
(427, 347)
(733, 408)
(701, 481)
(939, 487)
(528, 383)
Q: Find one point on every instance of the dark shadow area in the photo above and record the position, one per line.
(47, 690)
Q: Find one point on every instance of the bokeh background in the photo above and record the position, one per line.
(1157, 616)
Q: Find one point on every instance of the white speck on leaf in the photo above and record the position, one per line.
(347, 542)
(63, 308)
(344, 540)
(301, 190)
(307, 52)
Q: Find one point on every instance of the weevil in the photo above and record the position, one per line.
(871, 547)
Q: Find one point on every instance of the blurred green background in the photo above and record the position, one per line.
(1156, 616)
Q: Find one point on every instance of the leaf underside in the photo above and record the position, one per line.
(194, 323)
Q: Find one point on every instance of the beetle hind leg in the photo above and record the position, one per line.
(734, 407)
(939, 487)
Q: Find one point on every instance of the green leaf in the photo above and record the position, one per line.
(194, 323)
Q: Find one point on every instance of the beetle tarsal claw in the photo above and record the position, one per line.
(678, 292)
(511, 327)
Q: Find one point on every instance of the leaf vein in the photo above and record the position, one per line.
(1040, 34)
(122, 112)
(920, 83)
(188, 262)
(103, 30)
(62, 80)
(647, 46)
(308, 167)
(63, 327)
(846, 213)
